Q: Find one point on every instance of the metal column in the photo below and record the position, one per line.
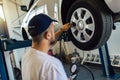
(3, 68)
(106, 63)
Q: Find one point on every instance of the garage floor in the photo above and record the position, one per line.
(96, 71)
(83, 75)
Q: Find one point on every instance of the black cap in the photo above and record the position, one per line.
(39, 24)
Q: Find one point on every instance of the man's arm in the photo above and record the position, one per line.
(61, 30)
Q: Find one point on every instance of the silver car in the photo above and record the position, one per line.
(93, 20)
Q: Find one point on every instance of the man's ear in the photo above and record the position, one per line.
(47, 35)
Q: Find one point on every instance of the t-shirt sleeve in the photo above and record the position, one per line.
(56, 73)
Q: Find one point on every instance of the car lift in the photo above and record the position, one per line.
(5, 47)
(106, 63)
(11, 44)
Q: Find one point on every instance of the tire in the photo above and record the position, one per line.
(91, 27)
(64, 9)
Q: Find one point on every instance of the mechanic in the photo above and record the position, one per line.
(36, 63)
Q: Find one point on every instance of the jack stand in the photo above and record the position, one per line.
(106, 63)
(63, 37)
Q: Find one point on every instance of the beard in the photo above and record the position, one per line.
(52, 42)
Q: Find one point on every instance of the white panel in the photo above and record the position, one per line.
(114, 41)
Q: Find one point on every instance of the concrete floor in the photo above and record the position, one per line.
(97, 72)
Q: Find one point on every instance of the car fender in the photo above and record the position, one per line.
(114, 5)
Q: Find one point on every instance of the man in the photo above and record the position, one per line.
(36, 63)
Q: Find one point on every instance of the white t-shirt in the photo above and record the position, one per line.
(37, 65)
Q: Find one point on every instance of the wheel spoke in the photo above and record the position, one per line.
(73, 19)
(73, 29)
(86, 16)
(90, 27)
(79, 13)
(86, 36)
(78, 36)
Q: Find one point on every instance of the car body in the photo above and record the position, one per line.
(92, 20)
(114, 5)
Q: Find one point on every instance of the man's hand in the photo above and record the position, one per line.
(65, 27)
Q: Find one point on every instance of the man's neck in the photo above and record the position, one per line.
(41, 46)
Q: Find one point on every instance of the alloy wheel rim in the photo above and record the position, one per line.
(83, 25)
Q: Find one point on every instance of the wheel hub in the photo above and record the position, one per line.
(81, 25)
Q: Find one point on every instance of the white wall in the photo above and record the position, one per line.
(114, 41)
(11, 16)
(13, 24)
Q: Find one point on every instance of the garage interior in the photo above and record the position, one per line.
(102, 63)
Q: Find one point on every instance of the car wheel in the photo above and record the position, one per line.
(91, 24)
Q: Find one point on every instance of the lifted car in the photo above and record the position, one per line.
(93, 20)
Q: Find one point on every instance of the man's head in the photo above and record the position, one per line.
(41, 27)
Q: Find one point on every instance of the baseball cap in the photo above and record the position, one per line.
(39, 23)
